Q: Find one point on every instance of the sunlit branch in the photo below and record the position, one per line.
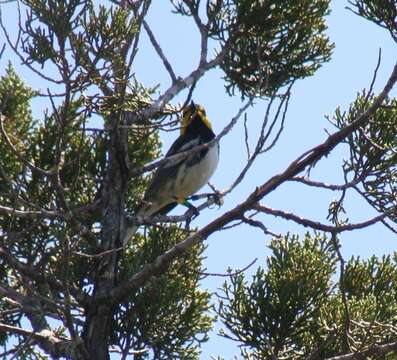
(317, 225)
(160, 52)
(333, 187)
(47, 339)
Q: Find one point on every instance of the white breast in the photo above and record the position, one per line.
(197, 175)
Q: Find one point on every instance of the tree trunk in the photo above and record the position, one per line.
(99, 316)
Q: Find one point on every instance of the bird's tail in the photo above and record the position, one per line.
(143, 210)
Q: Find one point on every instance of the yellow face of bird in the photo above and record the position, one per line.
(189, 112)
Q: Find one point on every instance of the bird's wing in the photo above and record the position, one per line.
(169, 171)
(183, 143)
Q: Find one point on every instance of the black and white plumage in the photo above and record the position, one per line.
(173, 182)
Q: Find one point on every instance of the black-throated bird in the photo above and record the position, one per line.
(174, 182)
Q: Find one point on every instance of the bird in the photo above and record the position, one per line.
(175, 181)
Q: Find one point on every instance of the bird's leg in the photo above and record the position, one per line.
(191, 207)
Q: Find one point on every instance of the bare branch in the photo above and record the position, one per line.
(263, 137)
(374, 76)
(160, 52)
(2, 50)
(229, 274)
(103, 253)
(247, 146)
(28, 214)
(317, 225)
(260, 225)
(182, 84)
(323, 185)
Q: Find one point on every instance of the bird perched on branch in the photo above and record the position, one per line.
(174, 181)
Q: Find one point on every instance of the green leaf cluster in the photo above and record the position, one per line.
(273, 43)
(169, 315)
(294, 308)
(270, 44)
(373, 152)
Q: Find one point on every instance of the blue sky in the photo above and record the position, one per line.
(335, 84)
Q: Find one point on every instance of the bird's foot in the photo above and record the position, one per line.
(218, 198)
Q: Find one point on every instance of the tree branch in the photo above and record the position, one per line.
(160, 52)
(36, 275)
(54, 345)
(180, 85)
(332, 187)
(317, 225)
(375, 350)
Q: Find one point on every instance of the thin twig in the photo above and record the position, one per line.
(260, 225)
(230, 274)
(323, 185)
(374, 76)
(103, 253)
(317, 225)
(159, 51)
(247, 146)
(346, 328)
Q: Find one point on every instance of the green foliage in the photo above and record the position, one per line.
(276, 309)
(381, 12)
(44, 38)
(17, 121)
(169, 315)
(108, 27)
(292, 309)
(373, 154)
(274, 43)
(271, 43)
